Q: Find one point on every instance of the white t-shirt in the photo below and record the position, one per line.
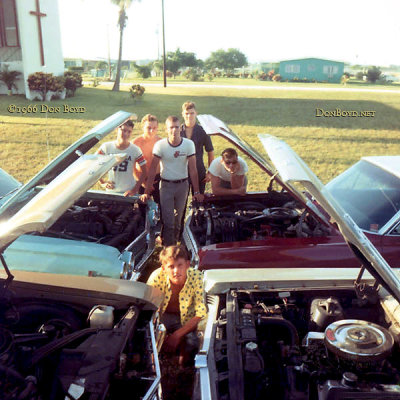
(174, 159)
(216, 168)
(122, 174)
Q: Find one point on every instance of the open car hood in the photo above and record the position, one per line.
(292, 169)
(214, 126)
(8, 184)
(54, 199)
(68, 156)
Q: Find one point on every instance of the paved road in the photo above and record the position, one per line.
(259, 87)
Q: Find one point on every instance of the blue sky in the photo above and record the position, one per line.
(356, 31)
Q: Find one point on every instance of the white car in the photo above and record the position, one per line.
(99, 234)
(64, 336)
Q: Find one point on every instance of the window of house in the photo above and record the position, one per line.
(292, 68)
(8, 24)
(330, 70)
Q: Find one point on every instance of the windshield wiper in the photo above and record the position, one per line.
(11, 191)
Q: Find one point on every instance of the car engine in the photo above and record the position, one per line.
(107, 222)
(231, 220)
(51, 351)
(304, 346)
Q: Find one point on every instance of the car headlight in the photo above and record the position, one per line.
(128, 263)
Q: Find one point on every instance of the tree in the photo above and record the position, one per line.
(180, 59)
(144, 71)
(122, 17)
(230, 59)
(373, 74)
(101, 65)
(158, 67)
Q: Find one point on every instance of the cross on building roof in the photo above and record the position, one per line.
(38, 15)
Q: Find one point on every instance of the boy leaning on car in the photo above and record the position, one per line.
(121, 178)
(183, 306)
(228, 174)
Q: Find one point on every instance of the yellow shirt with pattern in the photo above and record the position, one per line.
(191, 299)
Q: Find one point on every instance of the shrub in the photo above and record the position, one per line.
(360, 75)
(73, 81)
(192, 74)
(9, 77)
(44, 83)
(271, 74)
(277, 78)
(209, 77)
(344, 79)
(136, 91)
(373, 74)
(262, 77)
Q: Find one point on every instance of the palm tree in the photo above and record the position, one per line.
(123, 6)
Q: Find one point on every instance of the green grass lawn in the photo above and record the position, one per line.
(328, 144)
(132, 77)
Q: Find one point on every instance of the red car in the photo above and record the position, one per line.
(283, 227)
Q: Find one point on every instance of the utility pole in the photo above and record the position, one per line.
(108, 51)
(163, 35)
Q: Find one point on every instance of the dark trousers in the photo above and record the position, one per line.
(172, 323)
(156, 189)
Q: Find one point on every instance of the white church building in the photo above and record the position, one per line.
(30, 39)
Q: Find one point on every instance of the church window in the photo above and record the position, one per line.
(8, 24)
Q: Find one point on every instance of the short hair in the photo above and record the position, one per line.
(229, 152)
(188, 105)
(172, 118)
(129, 122)
(149, 118)
(173, 252)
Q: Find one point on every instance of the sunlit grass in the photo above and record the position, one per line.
(328, 145)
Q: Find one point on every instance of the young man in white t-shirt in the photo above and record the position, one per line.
(177, 158)
(121, 178)
(228, 174)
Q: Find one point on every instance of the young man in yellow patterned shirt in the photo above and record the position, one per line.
(183, 306)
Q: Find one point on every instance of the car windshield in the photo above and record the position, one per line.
(368, 193)
(7, 183)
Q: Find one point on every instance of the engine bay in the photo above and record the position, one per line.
(253, 217)
(55, 350)
(304, 345)
(102, 221)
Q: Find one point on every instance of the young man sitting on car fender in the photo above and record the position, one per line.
(183, 306)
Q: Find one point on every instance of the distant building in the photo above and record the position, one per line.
(311, 69)
(73, 62)
(30, 39)
(269, 66)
